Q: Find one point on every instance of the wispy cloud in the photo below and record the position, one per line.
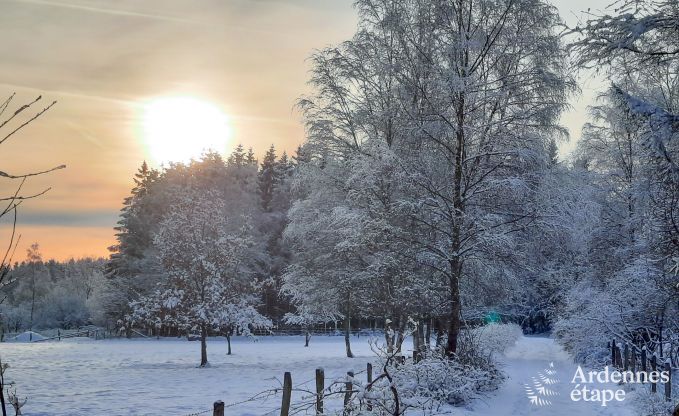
(101, 218)
(72, 94)
(104, 10)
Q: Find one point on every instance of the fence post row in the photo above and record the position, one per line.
(629, 362)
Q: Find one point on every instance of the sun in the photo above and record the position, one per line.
(179, 128)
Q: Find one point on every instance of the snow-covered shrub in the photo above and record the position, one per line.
(15, 318)
(581, 329)
(630, 307)
(650, 404)
(430, 385)
(497, 338)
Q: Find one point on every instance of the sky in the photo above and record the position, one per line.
(104, 61)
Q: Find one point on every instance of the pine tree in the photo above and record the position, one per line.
(237, 157)
(284, 167)
(132, 238)
(134, 232)
(267, 178)
(250, 158)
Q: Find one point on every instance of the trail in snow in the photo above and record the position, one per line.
(523, 363)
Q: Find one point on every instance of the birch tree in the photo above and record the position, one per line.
(463, 97)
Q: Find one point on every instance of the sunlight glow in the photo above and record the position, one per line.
(179, 128)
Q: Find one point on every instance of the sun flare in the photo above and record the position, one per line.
(177, 129)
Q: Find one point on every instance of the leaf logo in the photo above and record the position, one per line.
(538, 392)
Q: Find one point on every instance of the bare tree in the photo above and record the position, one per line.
(10, 124)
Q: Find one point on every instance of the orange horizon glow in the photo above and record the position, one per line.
(62, 243)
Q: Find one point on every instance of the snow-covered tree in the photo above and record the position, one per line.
(201, 246)
(637, 40)
(627, 285)
(454, 104)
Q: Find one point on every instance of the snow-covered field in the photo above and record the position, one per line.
(159, 377)
(151, 377)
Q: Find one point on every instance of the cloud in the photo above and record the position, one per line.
(103, 10)
(100, 218)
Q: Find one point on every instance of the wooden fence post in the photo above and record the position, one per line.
(633, 358)
(287, 394)
(625, 365)
(618, 359)
(644, 364)
(668, 385)
(320, 387)
(218, 408)
(348, 388)
(613, 351)
(369, 372)
(654, 361)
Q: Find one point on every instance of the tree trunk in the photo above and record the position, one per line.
(203, 346)
(416, 337)
(400, 334)
(228, 341)
(347, 336)
(439, 334)
(455, 263)
(420, 336)
(427, 335)
(454, 322)
(2, 396)
(32, 298)
(389, 336)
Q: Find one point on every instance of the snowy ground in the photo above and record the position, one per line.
(149, 377)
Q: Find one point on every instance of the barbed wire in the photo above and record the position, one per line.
(200, 413)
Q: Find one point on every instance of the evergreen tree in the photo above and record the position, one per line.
(267, 178)
(237, 157)
(250, 158)
(132, 237)
(130, 269)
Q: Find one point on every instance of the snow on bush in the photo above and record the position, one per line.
(430, 385)
(496, 338)
(647, 403)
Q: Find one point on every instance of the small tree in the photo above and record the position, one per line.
(201, 248)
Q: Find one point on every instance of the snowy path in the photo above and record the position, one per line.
(524, 361)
